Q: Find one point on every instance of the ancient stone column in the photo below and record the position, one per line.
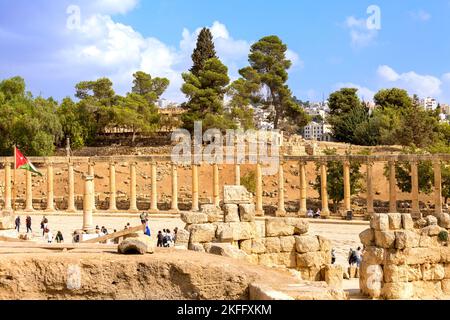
(302, 175)
(195, 193)
(112, 186)
(281, 212)
(216, 190)
(392, 188)
(50, 190)
(415, 208)
(88, 205)
(324, 190)
(154, 200)
(259, 192)
(174, 187)
(91, 172)
(133, 197)
(29, 192)
(71, 180)
(370, 191)
(8, 187)
(347, 187)
(437, 187)
(237, 174)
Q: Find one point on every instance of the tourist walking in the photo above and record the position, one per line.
(17, 222)
(48, 236)
(317, 214)
(310, 214)
(333, 256)
(160, 238)
(59, 237)
(44, 224)
(144, 217)
(28, 222)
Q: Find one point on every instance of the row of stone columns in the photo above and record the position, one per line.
(216, 191)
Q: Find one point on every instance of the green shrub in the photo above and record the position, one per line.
(443, 236)
(249, 181)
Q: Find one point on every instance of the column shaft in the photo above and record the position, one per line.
(50, 190)
(133, 196)
(437, 187)
(415, 208)
(302, 173)
(216, 191)
(8, 187)
(71, 181)
(347, 187)
(324, 190)
(370, 191)
(195, 194)
(88, 205)
(29, 192)
(237, 174)
(92, 173)
(112, 187)
(154, 200)
(281, 212)
(174, 187)
(259, 195)
(392, 188)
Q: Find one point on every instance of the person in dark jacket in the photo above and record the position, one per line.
(18, 224)
(160, 240)
(28, 221)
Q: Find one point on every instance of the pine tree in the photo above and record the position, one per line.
(203, 52)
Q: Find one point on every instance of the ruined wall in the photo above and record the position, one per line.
(234, 232)
(404, 262)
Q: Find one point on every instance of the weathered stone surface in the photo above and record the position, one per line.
(398, 290)
(395, 221)
(371, 279)
(225, 250)
(278, 259)
(224, 232)
(367, 237)
(236, 195)
(446, 286)
(287, 244)
(306, 244)
(273, 245)
(213, 213)
(426, 241)
(132, 246)
(258, 246)
(7, 222)
(246, 246)
(247, 212)
(445, 254)
(259, 292)
(414, 273)
(444, 220)
(379, 222)
(311, 259)
(432, 230)
(324, 244)
(148, 241)
(194, 217)
(311, 274)
(396, 273)
(407, 221)
(422, 255)
(427, 289)
(231, 212)
(243, 230)
(406, 239)
(333, 275)
(431, 220)
(182, 236)
(385, 239)
(373, 255)
(433, 272)
(198, 247)
(203, 232)
(276, 227)
(252, 258)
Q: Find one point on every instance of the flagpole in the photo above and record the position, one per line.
(14, 179)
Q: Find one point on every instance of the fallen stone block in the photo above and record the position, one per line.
(304, 244)
(194, 217)
(407, 222)
(379, 222)
(202, 232)
(247, 212)
(406, 239)
(183, 236)
(236, 195)
(132, 246)
(395, 221)
(277, 227)
(226, 250)
(333, 275)
(367, 237)
(385, 239)
(231, 213)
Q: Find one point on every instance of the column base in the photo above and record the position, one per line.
(50, 210)
(133, 210)
(280, 213)
(260, 213)
(29, 210)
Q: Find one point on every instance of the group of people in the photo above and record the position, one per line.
(355, 257)
(28, 224)
(310, 214)
(166, 238)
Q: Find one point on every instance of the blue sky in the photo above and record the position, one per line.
(328, 41)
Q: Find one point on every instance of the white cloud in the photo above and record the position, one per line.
(364, 93)
(113, 6)
(360, 34)
(420, 15)
(423, 85)
(103, 47)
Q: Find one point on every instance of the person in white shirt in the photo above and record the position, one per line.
(48, 236)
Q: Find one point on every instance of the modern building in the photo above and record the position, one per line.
(318, 131)
(430, 104)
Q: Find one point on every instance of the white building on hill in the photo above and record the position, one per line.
(318, 131)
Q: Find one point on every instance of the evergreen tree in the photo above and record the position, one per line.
(203, 52)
